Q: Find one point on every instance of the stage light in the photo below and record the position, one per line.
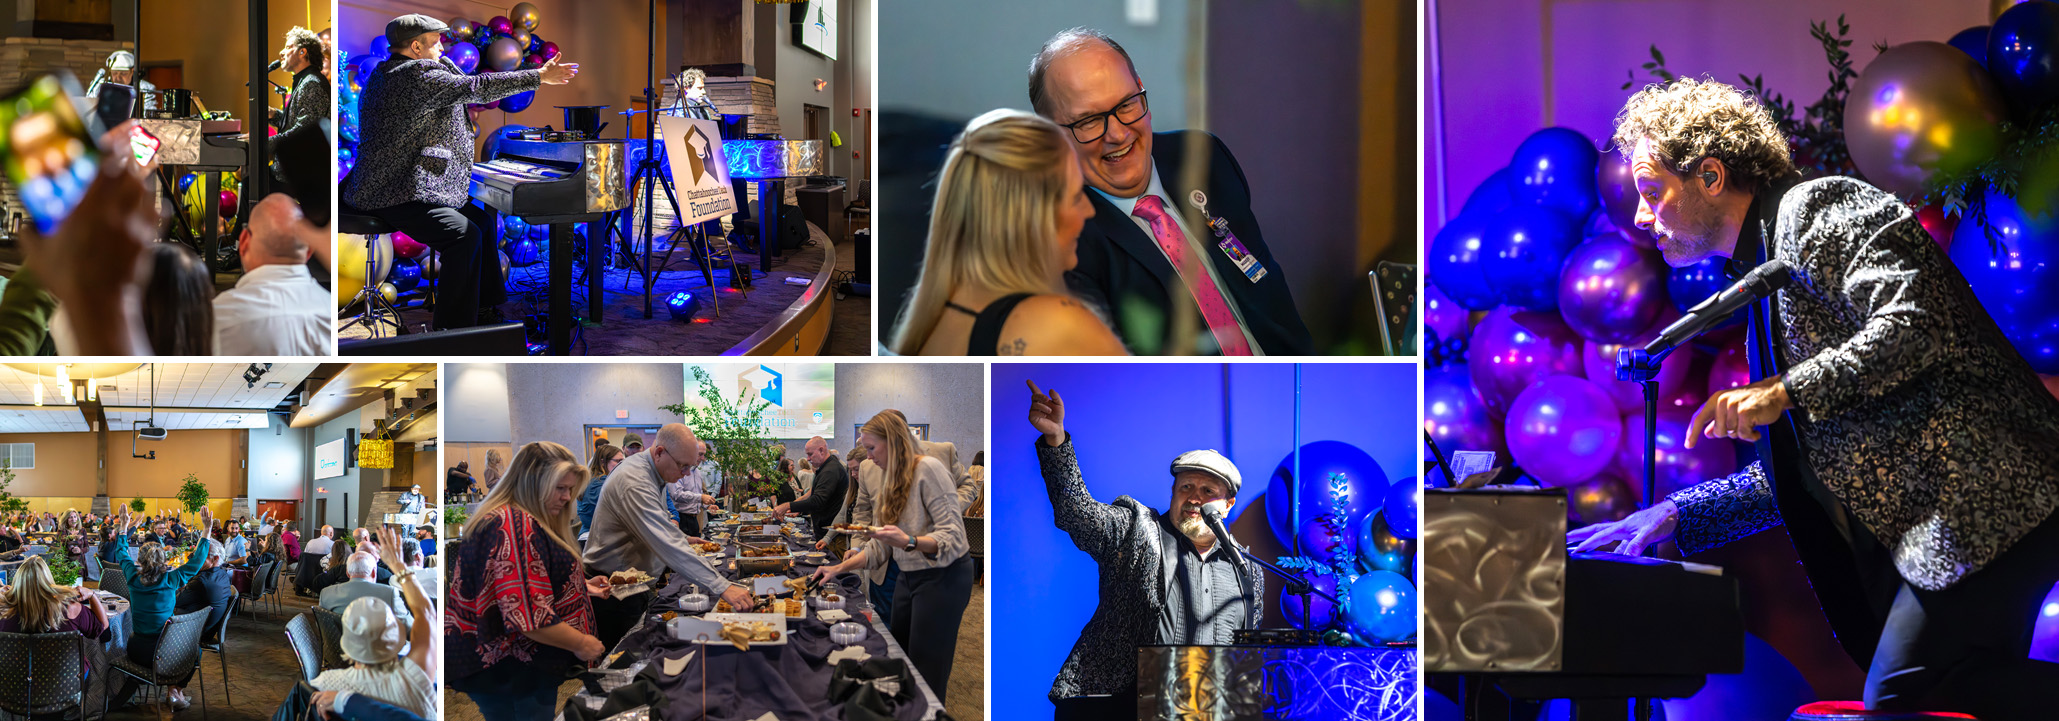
(683, 306)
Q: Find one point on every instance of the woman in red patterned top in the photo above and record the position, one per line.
(520, 621)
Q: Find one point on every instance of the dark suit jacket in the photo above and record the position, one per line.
(1122, 270)
(827, 496)
(209, 589)
(415, 139)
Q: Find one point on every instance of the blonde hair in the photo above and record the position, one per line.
(1687, 120)
(527, 487)
(897, 477)
(995, 218)
(150, 563)
(36, 605)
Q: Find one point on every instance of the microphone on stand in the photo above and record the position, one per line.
(274, 66)
(1754, 286)
(1214, 518)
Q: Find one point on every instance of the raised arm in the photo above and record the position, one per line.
(1095, 527)
(422, 637)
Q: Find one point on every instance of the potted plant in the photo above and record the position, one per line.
(735, 431)
(454, 518)
(136, 504)
(63, 570)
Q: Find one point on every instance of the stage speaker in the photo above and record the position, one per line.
(793, 227)
(495, 339)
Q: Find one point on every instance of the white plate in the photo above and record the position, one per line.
(689, 628)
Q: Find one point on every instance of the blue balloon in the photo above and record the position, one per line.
(186, 181)
(1554, 168)
(1383, 607)
(1378, 548)
(466, 55)
(1365, 485)
(514, 227)
(1403, 499)
(1693, 284)
(1455, 262)
(1492, 196)
(1523, 250)
(2023, 54)
(518, 102)
(2018, 286)
(1973, 41)
(406, 274)
(535, 43)
(525, 253)
(381, 46)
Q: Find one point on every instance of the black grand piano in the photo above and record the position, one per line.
(1517, 619)
(557, 181)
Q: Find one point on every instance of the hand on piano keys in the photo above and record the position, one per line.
(1632, 535)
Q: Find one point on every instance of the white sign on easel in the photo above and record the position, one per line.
(700, 173)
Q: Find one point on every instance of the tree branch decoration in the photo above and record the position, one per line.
(735, 432)
(192, 494)
(10, 503)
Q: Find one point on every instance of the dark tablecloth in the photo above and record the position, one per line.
(789, 681)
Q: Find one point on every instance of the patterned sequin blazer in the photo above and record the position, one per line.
(415, 142)
(1912, 407)
(1123, 539)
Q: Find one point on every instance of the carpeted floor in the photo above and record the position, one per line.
(261, 670)
(966, 700)
(624, 330)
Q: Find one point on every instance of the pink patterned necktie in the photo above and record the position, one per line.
(1207, 295)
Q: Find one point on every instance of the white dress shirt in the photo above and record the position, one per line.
(1202, 252)
(274, 310)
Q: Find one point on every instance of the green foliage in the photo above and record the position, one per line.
(1817, 135)
(62, 569)
(9, 503)
(735, 433)
(192, 494)
(136, 504)
(454, 515)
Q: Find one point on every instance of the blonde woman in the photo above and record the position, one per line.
(36, 604)
(916, 505)
(520, 619)
(495, 465)
(1010, 204)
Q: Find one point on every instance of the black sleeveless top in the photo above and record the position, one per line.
(987, 322)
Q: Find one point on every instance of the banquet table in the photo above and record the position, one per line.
(100, 654)
(719, 682)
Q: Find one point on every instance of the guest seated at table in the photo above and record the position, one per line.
(521, 617)
(233, 544)
(335, 569)
(632, 528)
(289, 539)
(321, 542)
(10, 539)
(358, 707)
(36, 604)
(411, 554)
(161, 533)
(211, 589)
(153, 594)
(363, 568)
(922, 533)
(427, 540)
(373, 641)
(261, 551)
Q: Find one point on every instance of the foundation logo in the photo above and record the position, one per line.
(700, 159)
(765, 383)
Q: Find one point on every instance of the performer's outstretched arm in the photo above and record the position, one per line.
(1097, 528)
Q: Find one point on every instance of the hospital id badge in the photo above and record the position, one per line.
(1226, 241)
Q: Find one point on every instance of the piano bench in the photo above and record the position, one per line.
(1856, 711)
(356, 224)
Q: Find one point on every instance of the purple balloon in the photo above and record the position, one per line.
(1523, 250)
(1610, 290)
(1619, 198)
(1512, 349)
(1443, 316)
(1365, 485)
(466, 55)
(1678, 465)
(518, 102)
(500, 25)
(1730, 369)
(1321, 611)
(1324, 538)
(1563, 430)
(1455, 416)
(550, 50)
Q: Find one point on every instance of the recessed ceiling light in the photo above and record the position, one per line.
(275, 384)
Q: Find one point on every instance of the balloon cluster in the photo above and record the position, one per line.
(504, 43)
(1358, 535)
(1545, 276)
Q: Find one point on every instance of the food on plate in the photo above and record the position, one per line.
(792, 608)
(762, 551)
(707, 547)
(722, 606)
(669, 615)
(630, 577)
(743, 634)
(799, 585)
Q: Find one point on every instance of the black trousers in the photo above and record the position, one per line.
(1966, 648)
(613, 618)
(469, 273)
(690, 524)
(928, 605)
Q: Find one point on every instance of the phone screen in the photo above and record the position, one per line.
(144, 144)
(45, 149)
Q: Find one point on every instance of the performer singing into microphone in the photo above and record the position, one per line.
(414, 162)
(1910, 452)
(120, 69)
(1165, 578)
(304, 55)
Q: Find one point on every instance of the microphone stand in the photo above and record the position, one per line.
(1642, 367)
(1294, 583)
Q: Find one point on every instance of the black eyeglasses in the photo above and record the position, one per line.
(1093, 127)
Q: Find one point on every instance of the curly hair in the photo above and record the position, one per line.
(305, 39)
(1687, 120)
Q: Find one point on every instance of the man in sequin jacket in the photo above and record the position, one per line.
(1910, 452)
(1164, 577)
